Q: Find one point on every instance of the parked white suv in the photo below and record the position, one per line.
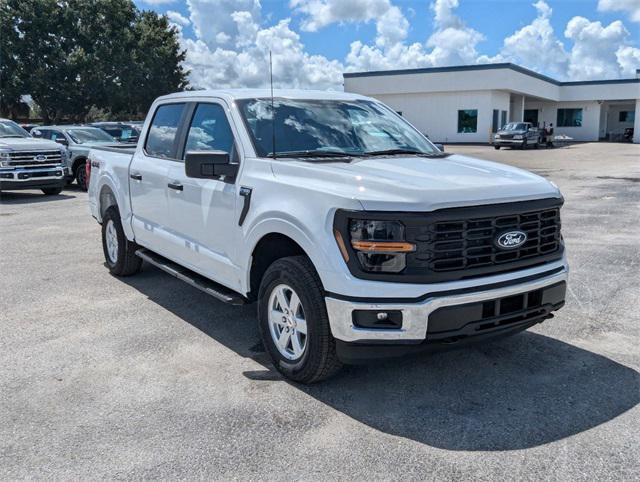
(356, 236)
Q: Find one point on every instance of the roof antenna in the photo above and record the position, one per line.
(273, 112)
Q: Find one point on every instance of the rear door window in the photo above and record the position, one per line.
(161, 140)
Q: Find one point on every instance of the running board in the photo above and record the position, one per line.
(194, 279)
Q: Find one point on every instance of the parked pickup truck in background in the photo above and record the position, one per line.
(78, 141)
(518, 134)
(354, 234)
(28, 163)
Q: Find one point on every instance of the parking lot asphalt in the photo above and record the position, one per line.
(146, 377)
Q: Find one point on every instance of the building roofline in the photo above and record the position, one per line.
(503, 65)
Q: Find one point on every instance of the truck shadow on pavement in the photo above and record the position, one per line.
(19, 197)
(520, 392)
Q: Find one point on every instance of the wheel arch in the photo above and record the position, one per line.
(268, 249)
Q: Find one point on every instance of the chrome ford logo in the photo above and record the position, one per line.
(40, 157)
(511, 239)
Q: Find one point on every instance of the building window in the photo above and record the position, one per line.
(467, 121)
(627, 116)
(569, 118)
(531, 115)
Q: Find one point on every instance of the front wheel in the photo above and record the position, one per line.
(119, 252)
(81, 176)
(497, 148)
(293, 321)
(52, 191)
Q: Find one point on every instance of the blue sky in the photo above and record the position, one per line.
(567, 39)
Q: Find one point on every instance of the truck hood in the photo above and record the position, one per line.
(27, 143)
(503, 133)
(417, 183)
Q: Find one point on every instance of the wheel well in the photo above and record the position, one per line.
(76, 163)
(106, 200)
(269, 249)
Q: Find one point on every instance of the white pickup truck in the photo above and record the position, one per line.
(356, 236)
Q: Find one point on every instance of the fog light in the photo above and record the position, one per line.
(377, 319)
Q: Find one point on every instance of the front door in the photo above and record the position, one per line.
(203, 211)
(148, 180)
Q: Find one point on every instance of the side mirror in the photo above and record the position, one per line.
(440, 146)
(62, 140)
(209, 164)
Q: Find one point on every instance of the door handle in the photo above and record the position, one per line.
(136, 176)
(175, 186)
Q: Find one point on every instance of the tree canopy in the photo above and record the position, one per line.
(75, 56)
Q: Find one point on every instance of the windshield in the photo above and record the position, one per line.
(331, 127)
(11, 129)
(89, 134)
(515, 126)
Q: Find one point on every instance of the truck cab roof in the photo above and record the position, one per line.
(234, 94)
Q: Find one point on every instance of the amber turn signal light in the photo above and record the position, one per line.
(383, 246)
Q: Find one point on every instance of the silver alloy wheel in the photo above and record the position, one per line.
(111, 238)
(287, 323)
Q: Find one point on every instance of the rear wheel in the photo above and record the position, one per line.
(81, 175)
(52, 191)
(293, 321)
(119, 252)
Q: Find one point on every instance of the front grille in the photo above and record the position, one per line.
(506, 136)
(28, 158)
(460, 244)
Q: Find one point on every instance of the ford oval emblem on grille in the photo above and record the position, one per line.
(511, 239)
(40, 157)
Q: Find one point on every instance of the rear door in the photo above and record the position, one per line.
(203, 211)
(148, 179)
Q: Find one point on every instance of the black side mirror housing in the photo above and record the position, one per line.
(440, 146)
(209, 164)
(62, 141)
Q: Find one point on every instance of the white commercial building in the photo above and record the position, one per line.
(469, 103)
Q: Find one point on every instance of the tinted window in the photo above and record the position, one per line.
(11, 129)
(467, 121)
(209, 130)
(54, 135)
(569, 118)
(163, 130)
(89, 134)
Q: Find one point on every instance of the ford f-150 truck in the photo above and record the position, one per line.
(28, 163)
(355, 235)
(517, 134)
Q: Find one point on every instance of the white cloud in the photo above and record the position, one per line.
(628, 59)
(535, 45)
(177, 19)
(232, 43)
(213, 20)
(632, 7)
(593, 55)
(158, 2)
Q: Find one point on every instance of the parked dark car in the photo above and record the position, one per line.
(517, 134)
(121, 131)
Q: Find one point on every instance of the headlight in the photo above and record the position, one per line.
(4, 158)
(517, 136)
(380, 245)
(497, 136)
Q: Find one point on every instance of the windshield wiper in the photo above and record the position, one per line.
(316, 153)
(12, 136)
(386, 152)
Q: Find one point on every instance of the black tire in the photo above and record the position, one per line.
(524, 145)
(497, 148)
(52, 191)
(319, 360)
(126, 262)
(81, 175)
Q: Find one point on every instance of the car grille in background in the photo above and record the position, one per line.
(466, 243)
(28, 158)
(506, 136)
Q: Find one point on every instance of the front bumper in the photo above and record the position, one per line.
(32, 178)
(508, 142)
(416, 316)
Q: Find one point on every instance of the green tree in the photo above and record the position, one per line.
(78, 55)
